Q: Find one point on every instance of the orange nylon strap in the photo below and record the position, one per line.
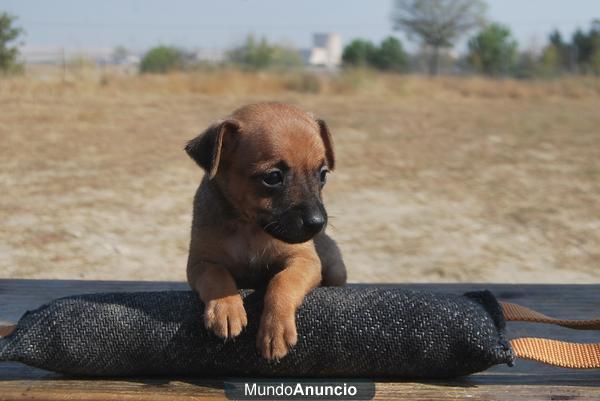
(557, 353)
(514, 312)
(5, 331)
(553, 352)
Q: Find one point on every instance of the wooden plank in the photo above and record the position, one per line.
(526, 380)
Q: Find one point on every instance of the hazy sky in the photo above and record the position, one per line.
(139, 24)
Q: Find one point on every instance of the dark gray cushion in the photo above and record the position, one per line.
(349, 331)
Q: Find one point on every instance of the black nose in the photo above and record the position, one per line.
(314, 222)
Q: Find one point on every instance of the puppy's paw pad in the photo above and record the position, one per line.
(276, 336)
(226, 317)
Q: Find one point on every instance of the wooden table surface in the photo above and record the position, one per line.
(525, 381)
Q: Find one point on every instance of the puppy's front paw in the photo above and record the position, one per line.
(276, 334)
(226, 317)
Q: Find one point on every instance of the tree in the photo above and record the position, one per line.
(252, 54)
(162, 59)
(558, 52)
(359, 53)
(9, 51)
(287, 57)
(493, 51)
(556, 56)
(437, 23)
(587, 48)
(550, 62)
(594, 60)
(259, 54)
(390, 56)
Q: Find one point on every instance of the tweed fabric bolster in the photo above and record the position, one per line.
(348, 331)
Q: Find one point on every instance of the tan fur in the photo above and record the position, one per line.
(230, 250)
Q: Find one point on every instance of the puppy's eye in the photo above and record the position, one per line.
(323, 175)
(273, 178)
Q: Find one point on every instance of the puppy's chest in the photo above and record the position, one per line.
(252, 256)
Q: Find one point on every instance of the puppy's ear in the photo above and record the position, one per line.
(328, 142)
(207, 147)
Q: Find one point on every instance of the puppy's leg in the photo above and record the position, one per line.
(285, 293)
(224, 311)
(333, 269)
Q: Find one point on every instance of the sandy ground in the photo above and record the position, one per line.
(433, 184)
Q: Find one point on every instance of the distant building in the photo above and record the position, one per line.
(326, 51)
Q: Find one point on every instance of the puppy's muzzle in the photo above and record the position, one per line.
(313, 222)
(298, 224)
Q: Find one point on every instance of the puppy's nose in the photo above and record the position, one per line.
(314, 222)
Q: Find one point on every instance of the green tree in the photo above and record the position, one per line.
(9, 50)
(582, 46)
(562, 49)
(586, 47)
(259, 54)
(493, 51)
(550, 62)
(438, 23)
(556, 56)
(162, 59)
(390, 56)
(359, 53)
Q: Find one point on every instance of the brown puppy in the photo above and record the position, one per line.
(259, 219)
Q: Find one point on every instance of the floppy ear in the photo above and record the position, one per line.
(326, 137)
(207, 147)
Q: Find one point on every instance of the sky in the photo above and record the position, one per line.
(212, 24)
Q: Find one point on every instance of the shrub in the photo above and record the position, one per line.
(9, 52)
(388, 56)
(162, 59)
(259, 54)
(359, 53)
(493, 51)
(587, 48)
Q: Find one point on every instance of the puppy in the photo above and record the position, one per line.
(259, 220)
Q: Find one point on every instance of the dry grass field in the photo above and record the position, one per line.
(452, 179)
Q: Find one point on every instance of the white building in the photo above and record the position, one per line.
(326, 51)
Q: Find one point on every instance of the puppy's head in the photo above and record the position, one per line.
(270, 161)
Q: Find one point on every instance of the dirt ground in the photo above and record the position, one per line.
(450, 180)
